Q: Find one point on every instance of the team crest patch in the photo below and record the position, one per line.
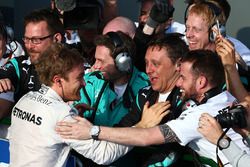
(43, 90)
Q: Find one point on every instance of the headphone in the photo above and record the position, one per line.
(216, 12)
(221, 28)
(122, 59)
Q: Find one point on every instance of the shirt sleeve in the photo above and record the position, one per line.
(185, 126)
(101, 152)
(8, 71)
(236, 156)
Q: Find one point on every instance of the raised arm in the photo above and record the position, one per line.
(226, 51)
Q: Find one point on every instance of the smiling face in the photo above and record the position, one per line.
(197, 32)
(105, 63)
(187, 81)
(37, 30)
(160, 69)
(73, 84)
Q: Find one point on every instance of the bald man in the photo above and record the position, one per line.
(122, 24)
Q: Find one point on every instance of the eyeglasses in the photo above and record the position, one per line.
(36, 40)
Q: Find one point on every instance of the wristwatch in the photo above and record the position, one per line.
(94, 132)
(224, 143)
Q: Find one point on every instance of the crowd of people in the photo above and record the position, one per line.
(111, 92)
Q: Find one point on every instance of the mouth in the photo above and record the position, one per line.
(153, 79)
(192, 44)
(33, 54)
(182, 91)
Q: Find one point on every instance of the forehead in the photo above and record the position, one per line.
(155, 53)
(76, 71)
(185, 68)
(196, 20)
(36, 29)
(102, 52)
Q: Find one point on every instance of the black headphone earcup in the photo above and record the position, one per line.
(123, 62)
(212, 34)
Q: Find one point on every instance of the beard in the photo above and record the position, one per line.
(191, 93)
(34, 55)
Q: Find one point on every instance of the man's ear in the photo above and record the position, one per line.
(57, 80)
(202, 82)
(178, 65)
(57, 38)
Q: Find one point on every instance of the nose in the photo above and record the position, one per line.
(149, 68)
(189, 33)
(29, 45)
(97, 65)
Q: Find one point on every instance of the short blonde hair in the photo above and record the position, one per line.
(209, 11)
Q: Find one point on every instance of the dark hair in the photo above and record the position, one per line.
(127, 45)
(53, 22)
(207, 63)
(3, 32)
(58, 59)
(173, 43)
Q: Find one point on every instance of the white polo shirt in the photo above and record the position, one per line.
(185, 127)
(34, 142)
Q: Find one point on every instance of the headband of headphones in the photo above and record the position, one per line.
(215, 9)
(116, 39)
(122, 59)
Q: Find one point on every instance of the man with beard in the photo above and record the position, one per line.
(42, 28)
(112, 87)
(115, 82)
(201, 76)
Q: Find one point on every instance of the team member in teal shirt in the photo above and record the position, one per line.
(115, 82)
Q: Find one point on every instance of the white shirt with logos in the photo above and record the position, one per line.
(34, 142)
(185, 127)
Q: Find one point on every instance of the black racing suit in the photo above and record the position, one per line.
(145, 156)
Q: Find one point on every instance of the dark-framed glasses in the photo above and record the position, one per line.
(36, 40)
